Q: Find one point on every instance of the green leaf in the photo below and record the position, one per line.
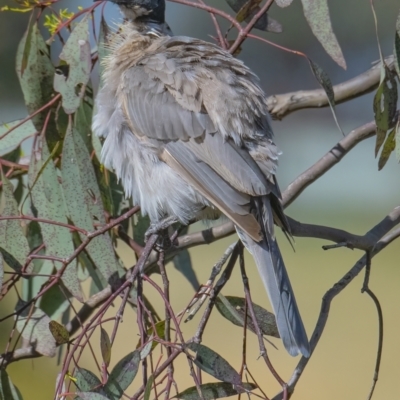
(160, 332)
(12, 140)
(76, 53)
(33, 324)
(84, 203)
(149, 386)
(32, 285)
(396, 50)
(59, 332)
(105, 346)
(54, 302)
(246, 13)
(183, 264)
(233, 309)
(215, 390)
(388, 147)
(212, 363)
(86, 380)
(317, 16)
(35, 72)
(14, 246)
(384, 105)
(49, 203)
(140, 228)
(7, 389)
(83, 119)
(123, 374)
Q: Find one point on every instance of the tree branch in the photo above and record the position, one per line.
(280, 105)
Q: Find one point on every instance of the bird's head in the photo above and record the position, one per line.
(148, 10)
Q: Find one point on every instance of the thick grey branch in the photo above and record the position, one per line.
(280, 105)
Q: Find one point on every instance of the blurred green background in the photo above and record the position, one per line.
(353, 196)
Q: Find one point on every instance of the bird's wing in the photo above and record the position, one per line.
(164, 100)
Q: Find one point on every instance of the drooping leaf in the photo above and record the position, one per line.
(36, 73)
(211, 391)
(151, 345)
(149, 386)
(84, 201)
(86, 380)
(83, 119)
(326, 84)
(317, 16)
(49, 203)
(13, 139)
(105, 346)
(212, 363)
(13, 244)
(42, 268)
(59, 332)
(123, 374)
(183, 263)
(140, 228)
(396, 50)
(7, 389)
(33, 323)
(264, 23)
(388, 147)
(76, 53)
(233, 309)
(54, 302)
(384, 105)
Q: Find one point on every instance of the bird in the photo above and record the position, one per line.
(186, 130)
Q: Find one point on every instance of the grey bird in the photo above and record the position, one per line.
(186, 130)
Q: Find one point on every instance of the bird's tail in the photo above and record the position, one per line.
(271, 268)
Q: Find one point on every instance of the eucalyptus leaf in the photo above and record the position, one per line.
(48, 200)
(388, 147)
(76, 53)
(7, 389)
(86, 380)
(123, 374)
(14, 246)
(12, 140)
(36, 73)
(183, 263)
(317, 16)
(213, 364)
(33, 324)
(1, 270)
(105, 347)
(55, 302)
(84, 203)
(215, 390)
(149, 386)
(59, 332)
(264, 23)
(233, 309)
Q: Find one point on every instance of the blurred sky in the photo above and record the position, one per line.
(352, 196)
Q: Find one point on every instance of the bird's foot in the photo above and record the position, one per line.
(161, 227)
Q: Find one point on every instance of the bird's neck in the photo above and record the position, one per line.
(145, 22)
